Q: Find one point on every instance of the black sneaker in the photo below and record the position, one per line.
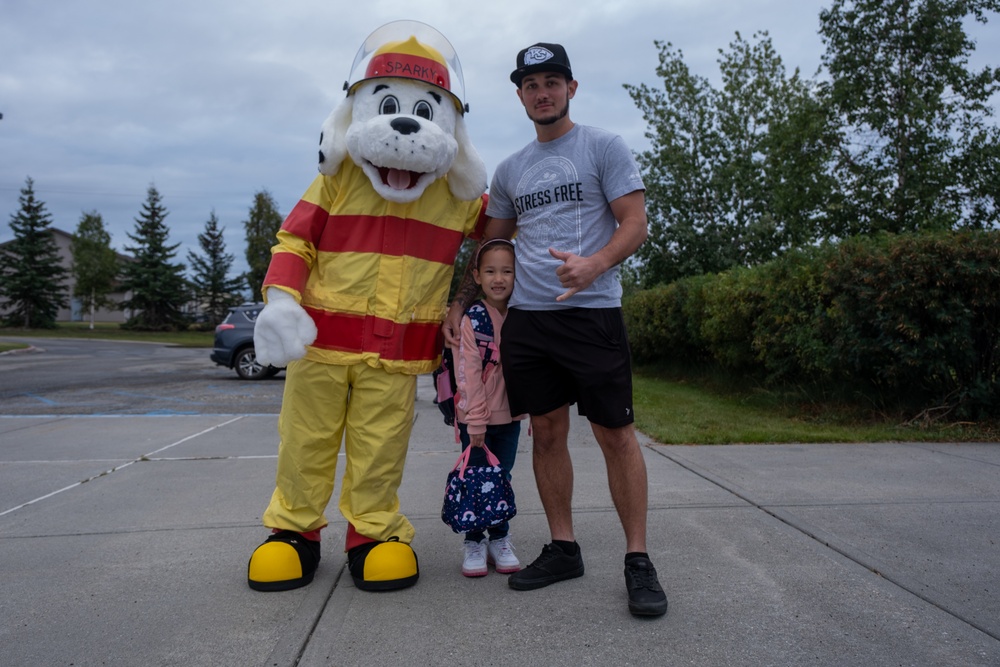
(553, 565)
(645, 596)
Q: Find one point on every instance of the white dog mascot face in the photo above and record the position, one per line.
(402, 136)
(405, 134)
(402, 122)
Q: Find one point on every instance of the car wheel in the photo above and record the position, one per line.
(247, 367)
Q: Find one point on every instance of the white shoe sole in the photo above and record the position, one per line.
(510, 569)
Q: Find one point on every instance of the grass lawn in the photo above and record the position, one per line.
(672, 410)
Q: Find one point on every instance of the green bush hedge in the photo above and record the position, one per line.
(910, 321)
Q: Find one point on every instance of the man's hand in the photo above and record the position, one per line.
(576, 273)
(282, 331)
(452, 325)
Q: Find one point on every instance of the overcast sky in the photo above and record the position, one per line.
(213, 100)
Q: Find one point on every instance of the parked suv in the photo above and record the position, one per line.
(233, 347)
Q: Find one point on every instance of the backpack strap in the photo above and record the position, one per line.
(482, 327)
(445, 376)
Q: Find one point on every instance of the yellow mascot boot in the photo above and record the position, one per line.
(285, 561)
(383, 566)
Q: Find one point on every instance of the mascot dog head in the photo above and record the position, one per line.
(403, 124)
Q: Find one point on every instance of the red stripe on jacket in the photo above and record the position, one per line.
(366, 333)
(287, 269)
(387, 235)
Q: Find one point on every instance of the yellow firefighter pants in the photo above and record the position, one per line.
(371, 411)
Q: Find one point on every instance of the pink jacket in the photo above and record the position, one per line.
(482, 397)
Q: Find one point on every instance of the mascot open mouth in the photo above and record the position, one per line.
(398, 179)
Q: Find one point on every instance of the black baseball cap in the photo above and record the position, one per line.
(541, 57)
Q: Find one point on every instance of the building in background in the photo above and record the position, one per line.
(75, 312)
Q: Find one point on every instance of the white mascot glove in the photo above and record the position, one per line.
(282, 331)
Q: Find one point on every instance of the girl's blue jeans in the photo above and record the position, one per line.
(502, 441)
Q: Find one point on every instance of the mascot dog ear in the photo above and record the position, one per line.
(467, 176)
(332, 137)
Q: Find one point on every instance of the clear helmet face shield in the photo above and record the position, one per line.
(410, 50)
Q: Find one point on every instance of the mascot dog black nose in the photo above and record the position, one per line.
(405, 125)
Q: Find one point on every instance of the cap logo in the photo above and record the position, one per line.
(536, 55)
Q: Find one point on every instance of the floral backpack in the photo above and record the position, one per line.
(444, 377)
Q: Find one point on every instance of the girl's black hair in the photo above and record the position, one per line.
(489, 245)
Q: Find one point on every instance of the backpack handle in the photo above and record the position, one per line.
(463, 460)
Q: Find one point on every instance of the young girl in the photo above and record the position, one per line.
(483, 415)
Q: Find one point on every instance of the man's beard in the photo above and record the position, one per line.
(550, 120)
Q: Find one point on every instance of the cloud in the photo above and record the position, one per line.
(213, 101)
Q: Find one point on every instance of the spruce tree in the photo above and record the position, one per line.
(159, 289)
(32, 277)
(95, 264)
(212, 286)
(261, 229)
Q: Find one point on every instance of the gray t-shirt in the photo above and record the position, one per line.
(558, 191)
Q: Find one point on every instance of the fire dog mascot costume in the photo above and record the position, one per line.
(356, 291)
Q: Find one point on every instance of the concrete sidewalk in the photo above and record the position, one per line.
(124, 541)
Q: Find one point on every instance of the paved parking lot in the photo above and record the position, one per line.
(125, 536)
(83, 377)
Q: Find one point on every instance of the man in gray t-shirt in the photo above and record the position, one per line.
(559, 191)
(575, 198)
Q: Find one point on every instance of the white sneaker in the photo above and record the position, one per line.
(474, 564)
(501, 555)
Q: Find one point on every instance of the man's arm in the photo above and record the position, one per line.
(578, 273)
(468, 289)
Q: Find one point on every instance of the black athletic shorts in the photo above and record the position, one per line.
(551, 358)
